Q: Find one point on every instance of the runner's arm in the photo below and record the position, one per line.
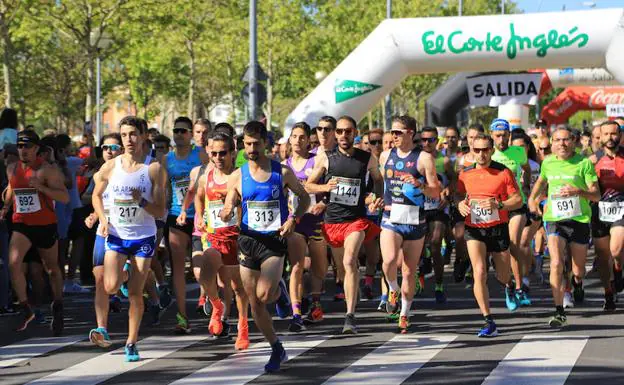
(54, 186)
(426, 166)
(231, 199)
(101, 182)
(157, 206)
(320, 168)
(536, 193)
(297, 188)
(189, 198)
(199, 202)
(375, 174)
(451, 176)
(514, 198)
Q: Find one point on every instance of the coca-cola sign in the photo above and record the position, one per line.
(601, 97)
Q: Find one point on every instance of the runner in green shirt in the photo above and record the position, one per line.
(572, 183)
(515, 159)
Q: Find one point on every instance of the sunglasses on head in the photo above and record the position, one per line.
(218, 153)
(112, 147)
(326, 129)
(429, 140)
(480, 150)
(25, 145)
(345, 131)
(375, 142)
(180, 130)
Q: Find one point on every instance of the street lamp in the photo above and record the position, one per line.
(100, 41)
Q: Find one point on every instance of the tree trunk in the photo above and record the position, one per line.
(191, 97)
(6, 59)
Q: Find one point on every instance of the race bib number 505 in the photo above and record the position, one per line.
(347, 191)
(481, 216)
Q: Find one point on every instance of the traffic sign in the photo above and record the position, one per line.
(261, 94)
(260, 75)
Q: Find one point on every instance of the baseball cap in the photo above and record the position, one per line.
(541, 123)
(499, 125)
(27, 136)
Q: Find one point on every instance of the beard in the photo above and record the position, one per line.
(611, 144)
(253, 155)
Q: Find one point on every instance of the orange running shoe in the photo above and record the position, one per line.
(242, 340)
(215, 327)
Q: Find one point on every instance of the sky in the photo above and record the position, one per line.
(531, 6)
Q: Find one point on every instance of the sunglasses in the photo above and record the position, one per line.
(161, 148)
(112, 147)
(544, 148)
(397, 132)
(218, 153)
(375, 142)
(429, 140)
(480, 150)
(345, 131)
(25, 145)
(326, 129)
(180, 130)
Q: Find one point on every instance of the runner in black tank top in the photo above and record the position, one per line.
(343, 170)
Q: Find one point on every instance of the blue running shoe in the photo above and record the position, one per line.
(132, 353)
(124, 286)
(523, 298)
(278, 355)
(282, 306)
(488, 330)
(99, 337)
(510, 299)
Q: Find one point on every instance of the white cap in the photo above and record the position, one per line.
(282, 140)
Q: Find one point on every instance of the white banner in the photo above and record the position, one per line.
(496, 90)
(614, 110)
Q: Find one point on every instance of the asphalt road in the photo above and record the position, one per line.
(442, 347)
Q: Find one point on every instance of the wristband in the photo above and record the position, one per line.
(143, 202)
(292, 216)
(500, 205)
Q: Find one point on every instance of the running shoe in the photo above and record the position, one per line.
(207, 310)
(568, 303)
(100, 337)
(8, 311)
(609, 303)
(114, 304)
(201, 302)
(510, 299)
(132, 353)
(404, 324)
(58, 323)
(72, 287)
(182, 327)
(165, 296)
(488, 330)
(367, 292)
(340, 295)
(215, 327)
(558, 321)
(124, 286)
(349, 325)
(296, 324)
(392, 306)
(282, 306)
(440, 294)
(579, 292)
(316, 313)
(278, 355)
(225, 333)
(27, 316)
(523, 298)
(242, 339)
(154, 311)
(618, 280)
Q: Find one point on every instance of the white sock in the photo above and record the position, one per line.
(406, 305)
(394, 285)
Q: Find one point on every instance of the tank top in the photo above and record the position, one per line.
(264, 205)
(302, 175)
(405, 200)
(213, 203)
(179, 171)
(127, 220)
(346, 201)
(30, 207)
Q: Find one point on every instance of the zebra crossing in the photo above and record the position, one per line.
(536, 359)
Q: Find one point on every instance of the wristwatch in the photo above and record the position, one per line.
(143, 202)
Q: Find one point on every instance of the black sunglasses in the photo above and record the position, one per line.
(25, 145)
(480, 150)
(326, 129)
(429, 140)
(218, 153)
(345, 131)
(180, 130)
(375, 142)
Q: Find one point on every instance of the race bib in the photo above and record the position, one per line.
(293, 202)
(26, 201)
(482, 216)
(405, 214)
(212, 219)
(566, 208)
(126, 212)
(263, 216)
(431, 203)
(181, 187)
(611, 211)
(347, 192)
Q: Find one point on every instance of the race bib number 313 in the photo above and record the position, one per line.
(347, 191)
(264, 216)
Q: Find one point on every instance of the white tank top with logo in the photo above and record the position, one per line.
(127, 220)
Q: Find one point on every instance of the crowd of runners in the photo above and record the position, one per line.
(260, 223)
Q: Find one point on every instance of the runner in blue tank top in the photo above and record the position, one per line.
(179, 164)
(264, 226)
(409, 175)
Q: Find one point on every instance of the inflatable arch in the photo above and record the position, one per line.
(401, 47)
(574, 99)
(452, 96)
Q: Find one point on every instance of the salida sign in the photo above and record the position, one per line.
(494, 90)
